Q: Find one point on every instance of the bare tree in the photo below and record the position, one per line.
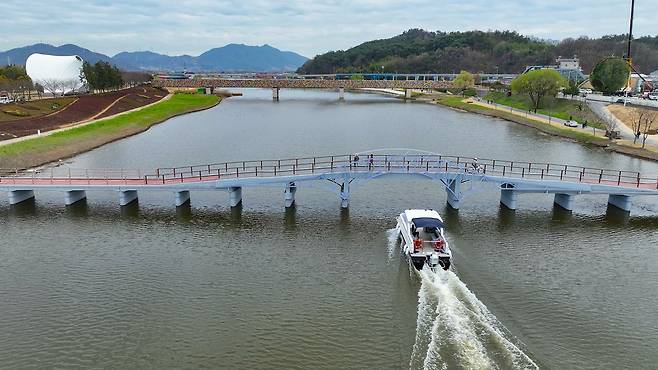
(637, 119)
(51, 85)
(70, 85)
(649, 119)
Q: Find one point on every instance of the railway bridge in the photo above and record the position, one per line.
(277, 84)
(341, 172)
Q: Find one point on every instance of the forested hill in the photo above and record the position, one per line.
(476, 51)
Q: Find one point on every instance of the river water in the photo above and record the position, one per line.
(149, 286)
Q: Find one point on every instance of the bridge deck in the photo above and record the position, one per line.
(551, 176)
(301, 83)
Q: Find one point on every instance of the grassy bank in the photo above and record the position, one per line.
(64, 144)
(458, 103)
(555, 107)
(619, 147)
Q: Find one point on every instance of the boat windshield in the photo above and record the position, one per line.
(430, 222)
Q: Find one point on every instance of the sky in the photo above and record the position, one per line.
(308, 27)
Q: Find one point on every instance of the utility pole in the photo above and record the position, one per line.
(629, 58)
(630, 32)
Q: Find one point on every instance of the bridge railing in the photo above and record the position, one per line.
(331, 164)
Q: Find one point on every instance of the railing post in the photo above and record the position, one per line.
(600, 176)
(504, 167)
(580, 177)
(146, 180)
(619, 179)
(523, 172)
(237, 172)
(200, 176)
(256, 168)
(542, 173)
(274, 170)
(181, 177)
(561, 174)
(638, 179)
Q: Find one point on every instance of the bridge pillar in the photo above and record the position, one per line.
(74, 196)
(622, 202)
(181, 197)
(564, 200)
(17, 196)
(508, 196)
(341, 93)
(407, 93)
(289, 194)
(275, 93)
(345, 194)
(235, 196)
(127, 196)
(454, 192)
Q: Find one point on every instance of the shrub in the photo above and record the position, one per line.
(16, 113)
(470, 92)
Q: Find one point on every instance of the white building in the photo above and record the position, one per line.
(57, 74)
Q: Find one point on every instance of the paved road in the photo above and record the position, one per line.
(601, 110)
(539, 117)
(612, 99)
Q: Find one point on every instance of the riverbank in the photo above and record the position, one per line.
(75, 140)
(459, 103)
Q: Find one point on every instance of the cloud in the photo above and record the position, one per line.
(305, 26)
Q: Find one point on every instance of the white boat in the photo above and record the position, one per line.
(423, 238)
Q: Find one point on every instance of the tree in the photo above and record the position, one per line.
(572, 89)
(610, 75)
(649, 119)
(463, 81)
(101, 76)
(51, 85)
(70, 85)
(538, 84)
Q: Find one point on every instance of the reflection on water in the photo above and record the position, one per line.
(316, 286)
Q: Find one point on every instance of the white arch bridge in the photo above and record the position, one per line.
(340, 172)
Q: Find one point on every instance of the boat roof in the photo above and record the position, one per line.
(427, 222)
(421, 213)
(424, 217)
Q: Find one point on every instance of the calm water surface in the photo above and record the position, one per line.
(149, 286)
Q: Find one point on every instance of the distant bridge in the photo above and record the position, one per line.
(298, 83)
(339, 173)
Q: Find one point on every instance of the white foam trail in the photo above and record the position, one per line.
(455, 329)
(392, 242)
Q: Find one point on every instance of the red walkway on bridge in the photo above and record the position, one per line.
(376, 163)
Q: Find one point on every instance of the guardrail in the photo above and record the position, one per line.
(380, 163)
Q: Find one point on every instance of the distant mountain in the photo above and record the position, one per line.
(250, 58)
(230, 58)
(19, 55)
(418, 50)
(150, 61)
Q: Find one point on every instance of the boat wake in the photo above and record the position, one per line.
(456, 330)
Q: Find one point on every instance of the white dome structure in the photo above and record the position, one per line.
(57, 74)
